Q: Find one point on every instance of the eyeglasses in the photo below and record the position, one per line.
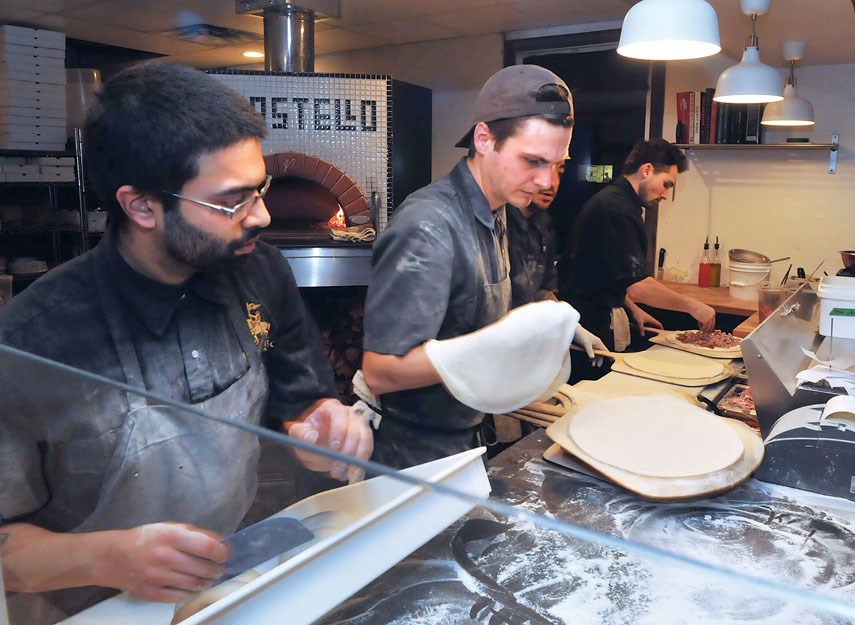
(238, 209)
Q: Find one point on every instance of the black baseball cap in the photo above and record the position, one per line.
(520, 91)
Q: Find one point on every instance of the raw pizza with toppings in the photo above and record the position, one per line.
(716, 344)
(713, 340)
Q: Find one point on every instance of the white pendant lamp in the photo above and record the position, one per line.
(662, 30)
(750, 81)
(792, 110)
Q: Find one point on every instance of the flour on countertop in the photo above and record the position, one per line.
(491, 570)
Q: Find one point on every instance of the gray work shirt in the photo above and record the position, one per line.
(439, 271)
(187, 350)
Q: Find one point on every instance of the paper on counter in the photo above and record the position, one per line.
(841, 362)
(839, 407)
(836, 378)
(836, 371)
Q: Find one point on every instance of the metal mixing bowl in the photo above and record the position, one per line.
(747, 256)
(848, 257)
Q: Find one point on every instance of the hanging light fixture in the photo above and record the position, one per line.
(792, 110)
(750, 81)
(662, 30)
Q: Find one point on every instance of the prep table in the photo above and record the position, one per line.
(494, 570)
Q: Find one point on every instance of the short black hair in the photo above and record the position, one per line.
(658, 152)
(152, 121)
(504, 129)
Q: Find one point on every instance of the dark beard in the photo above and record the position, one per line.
(199, 249)
(648, 205)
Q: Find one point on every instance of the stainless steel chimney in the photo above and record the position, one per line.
(289, 30)
(289, 39)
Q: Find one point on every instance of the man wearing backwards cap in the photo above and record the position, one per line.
(440, 271)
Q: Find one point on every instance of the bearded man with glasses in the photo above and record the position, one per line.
(178, 299)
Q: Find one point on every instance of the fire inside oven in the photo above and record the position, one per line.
(313, 202)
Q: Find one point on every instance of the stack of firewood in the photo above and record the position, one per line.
(339, 314)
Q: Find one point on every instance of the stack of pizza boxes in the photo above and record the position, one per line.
(32, 89)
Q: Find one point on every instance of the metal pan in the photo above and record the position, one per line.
(747, 256)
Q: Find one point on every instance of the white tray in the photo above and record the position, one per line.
(375, 524)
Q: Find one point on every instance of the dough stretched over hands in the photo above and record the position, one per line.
(521, 358)
(655, 436)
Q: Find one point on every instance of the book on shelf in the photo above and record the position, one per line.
(696, 117)
(739, 123)
(702, 120)
(684, 117)
(705, 117)
(753, 128)
(696, 112)
(713, 120)
(722, 122)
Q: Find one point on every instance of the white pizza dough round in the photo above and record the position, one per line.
(656, 437)
(665, 365)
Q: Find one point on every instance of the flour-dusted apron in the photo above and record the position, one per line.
(168, 464)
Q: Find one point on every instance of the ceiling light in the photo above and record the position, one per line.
(792, 110)
(253, 54)
(750, 81)
(669, 30)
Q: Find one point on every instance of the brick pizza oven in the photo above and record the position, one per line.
(355, 143)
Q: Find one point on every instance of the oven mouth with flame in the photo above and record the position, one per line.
(309, 193)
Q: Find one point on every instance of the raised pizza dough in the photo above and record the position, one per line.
(650, 362)
(655, 437)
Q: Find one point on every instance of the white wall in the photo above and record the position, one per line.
(779, 203)
(454, 69)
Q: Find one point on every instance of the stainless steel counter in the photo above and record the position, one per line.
(493, 570)
(329, 266)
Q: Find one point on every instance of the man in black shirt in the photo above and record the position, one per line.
(531, 247)
(605, 271)
(179, 299)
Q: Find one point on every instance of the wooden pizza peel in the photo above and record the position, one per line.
(669, 357)
(565, 452)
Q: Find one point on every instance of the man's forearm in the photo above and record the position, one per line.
(649, 291)
(387, 373)
(36, 560)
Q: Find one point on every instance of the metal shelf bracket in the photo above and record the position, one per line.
(832, 156)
